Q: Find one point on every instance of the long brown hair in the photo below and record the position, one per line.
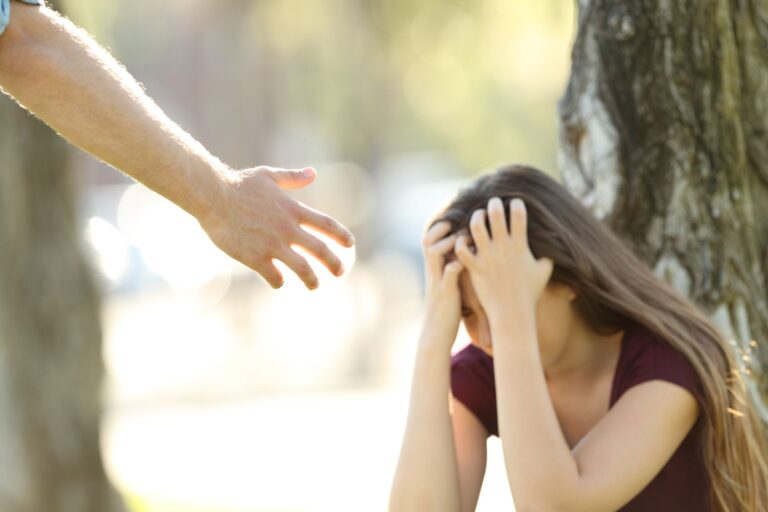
(614, 289)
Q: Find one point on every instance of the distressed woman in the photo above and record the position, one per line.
(608, 389)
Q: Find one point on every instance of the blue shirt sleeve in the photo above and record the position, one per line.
(5, 11)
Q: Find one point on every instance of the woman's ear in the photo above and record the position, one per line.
(563, 290)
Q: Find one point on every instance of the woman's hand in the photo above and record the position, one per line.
(443, 298)
(504, 272)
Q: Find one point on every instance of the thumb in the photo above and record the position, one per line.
(293, 178)
(452, 271)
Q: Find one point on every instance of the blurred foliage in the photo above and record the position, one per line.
(353, 79)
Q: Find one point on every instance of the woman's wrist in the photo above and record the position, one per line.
(439, 330)
(512, 322)
(435, 340)
(508, 306)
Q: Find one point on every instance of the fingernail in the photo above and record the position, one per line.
(517, 203)
(308, 172)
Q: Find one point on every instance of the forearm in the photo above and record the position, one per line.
(427, 476)
(536, 453)
(60, 74)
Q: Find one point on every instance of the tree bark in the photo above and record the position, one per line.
(50, 337)
(664, 134)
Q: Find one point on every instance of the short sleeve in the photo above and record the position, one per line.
(472, 384)
(5, 11)
(660, 361)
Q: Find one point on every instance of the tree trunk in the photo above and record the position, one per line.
(664, 133)
(50, 336)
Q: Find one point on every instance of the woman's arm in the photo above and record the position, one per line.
(441, 446)
(59, 73)
(427, 477)
(614, 461)
(470, 438)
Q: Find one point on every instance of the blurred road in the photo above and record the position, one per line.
(304, 452)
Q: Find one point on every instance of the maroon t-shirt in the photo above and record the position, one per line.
(681, 485)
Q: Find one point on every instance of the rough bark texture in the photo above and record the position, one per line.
(664, 133)
(50, 336)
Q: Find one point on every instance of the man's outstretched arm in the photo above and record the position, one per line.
(59, 73)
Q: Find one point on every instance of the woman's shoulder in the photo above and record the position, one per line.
(472, 383)
(471, 354)
(472, 365)
(646, 356)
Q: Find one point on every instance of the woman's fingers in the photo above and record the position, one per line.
(442, 247)
(464, 253)
(452, 272)
(518, 220)
(437, 251)
(497, 219)
(435, 233)
(477, 228)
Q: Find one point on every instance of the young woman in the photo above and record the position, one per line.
(608, 390)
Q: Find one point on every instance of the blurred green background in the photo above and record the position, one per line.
(224, 395)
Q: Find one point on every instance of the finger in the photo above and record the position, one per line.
(269, 272)
(300, 266)
(442, 247)
(328, 226)
(497, 219)
(478, 229)
(291, 178)
(436, 232)
(321, 251)
(452, 271)
(519, 222)
(436, 253)
(464, 253)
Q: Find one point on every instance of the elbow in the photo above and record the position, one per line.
(544, 506)
(553, 501)
(560, 503)
(413, 500)
(536, 506)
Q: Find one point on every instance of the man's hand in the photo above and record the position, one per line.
(56, 71)
(254, 221)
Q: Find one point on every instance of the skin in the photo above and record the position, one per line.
(59, 73)
(570, 351)
(549, 364)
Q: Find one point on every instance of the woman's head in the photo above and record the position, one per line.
(559, 228)
(598, 280)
